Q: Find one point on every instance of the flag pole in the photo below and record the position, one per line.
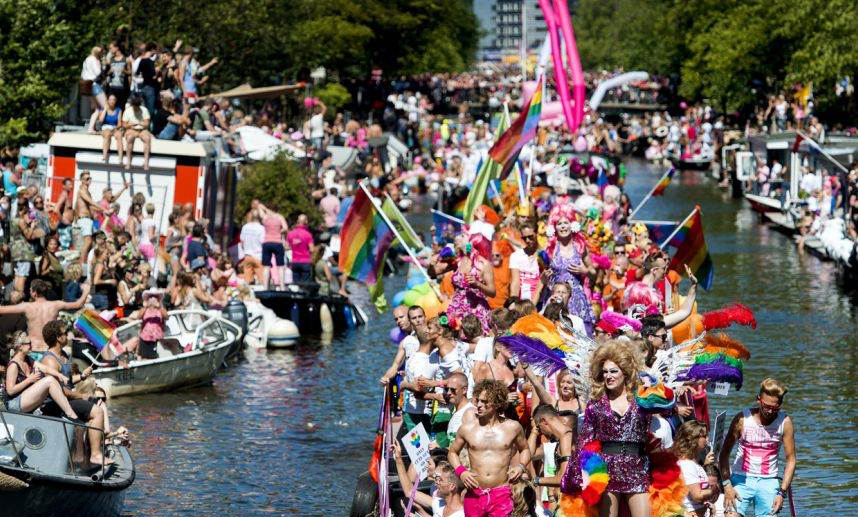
(447, 216)
(823, 152)
(410, 228)
(649, 194)
(396, 233)
(672, 235)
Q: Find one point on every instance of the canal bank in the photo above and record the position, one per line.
(287, 432)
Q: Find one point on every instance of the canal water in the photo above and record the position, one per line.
(287, 432)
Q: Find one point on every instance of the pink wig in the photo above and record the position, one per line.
(570, 213)
(480, 246)
(638, 293)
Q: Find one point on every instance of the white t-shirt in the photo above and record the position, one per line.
(91, 68)
(419, 364)
(410, 344)
(528, 273)
(660, 428)
(456, 420)
(252, 235)
(693, 473)
(133, 117)
(317, 126)
(483, 351)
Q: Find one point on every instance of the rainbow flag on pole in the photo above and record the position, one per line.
(94, 328)
(489, 171)
(664, 182)
(506, 148)
(691, 250)
(364, 240)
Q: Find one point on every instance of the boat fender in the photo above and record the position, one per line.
(12, 484)
(326, 318)
(365, 497)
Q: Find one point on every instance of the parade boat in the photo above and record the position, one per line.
(763, 204)
(314, 313)
(193, 349)
(38, 477)
(695, 163)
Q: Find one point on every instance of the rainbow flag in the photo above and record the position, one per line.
(94, 328)
(664, 182)
(488, 171)
(364, 240)
(459, 208)
(691, 250)
(506, 148)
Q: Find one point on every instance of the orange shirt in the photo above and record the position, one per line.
(502, 277)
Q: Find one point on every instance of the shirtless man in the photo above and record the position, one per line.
(84, 211)
(492, 442)
(40, 311)
(65, 198)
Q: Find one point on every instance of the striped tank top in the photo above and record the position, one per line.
(757, 454)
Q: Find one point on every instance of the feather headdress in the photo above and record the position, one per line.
(722, 318)
(536, 325)
(534, 352)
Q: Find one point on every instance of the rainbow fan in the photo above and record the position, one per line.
(720, 360)
(594, 473)
(655, 398)
(537, 326)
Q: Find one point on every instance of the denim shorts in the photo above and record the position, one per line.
(755, 490)
(96, 89)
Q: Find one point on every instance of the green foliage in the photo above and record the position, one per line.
(43, 44)
(732, 52)
(282, 185)
(333, 95)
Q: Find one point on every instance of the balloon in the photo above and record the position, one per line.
(413, 281)
(309, 102)
(578, 87)
(410, 298)
(613, 82)
(423, 288)
(398, 298)
(557, 59)
(396, 335)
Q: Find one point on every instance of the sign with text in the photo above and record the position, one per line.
(718, 388)
(416, 443)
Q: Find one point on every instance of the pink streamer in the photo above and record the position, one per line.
(554, 15)
(557, 59)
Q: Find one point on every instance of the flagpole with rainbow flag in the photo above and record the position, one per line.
(657, 190)
(691, 249)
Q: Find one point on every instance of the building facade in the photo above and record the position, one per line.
(506, 23)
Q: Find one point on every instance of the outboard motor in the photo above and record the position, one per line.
(236, 312)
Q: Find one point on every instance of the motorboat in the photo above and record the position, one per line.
(266, 329)
(193, 349)
(39, 476)
(763, 204)
(316, 313)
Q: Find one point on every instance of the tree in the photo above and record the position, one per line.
(282, 184)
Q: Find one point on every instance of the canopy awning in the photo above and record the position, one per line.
(245, 91)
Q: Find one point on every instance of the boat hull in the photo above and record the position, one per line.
(306, 310)
(762, 204)
(188, 369)
(46, 499)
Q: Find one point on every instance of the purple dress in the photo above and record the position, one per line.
(469, 300)
(629, 473)
(579, 305)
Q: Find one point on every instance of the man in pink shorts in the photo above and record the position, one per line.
(493, 441)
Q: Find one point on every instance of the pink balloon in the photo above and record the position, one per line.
(557, 59)
(309, 102)
(578, 88)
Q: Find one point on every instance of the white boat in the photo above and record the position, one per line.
(265, 328)
(193, 349)
(763, 204)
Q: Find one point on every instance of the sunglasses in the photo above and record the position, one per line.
(661, 335)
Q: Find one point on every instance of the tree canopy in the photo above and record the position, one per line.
(731, 52)
(43, 43)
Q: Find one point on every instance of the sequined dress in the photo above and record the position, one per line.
(629, 473)
(468, 299)
(579, 305)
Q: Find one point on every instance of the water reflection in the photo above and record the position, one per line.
(287, 432)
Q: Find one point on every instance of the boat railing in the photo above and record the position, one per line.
(49, 463)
